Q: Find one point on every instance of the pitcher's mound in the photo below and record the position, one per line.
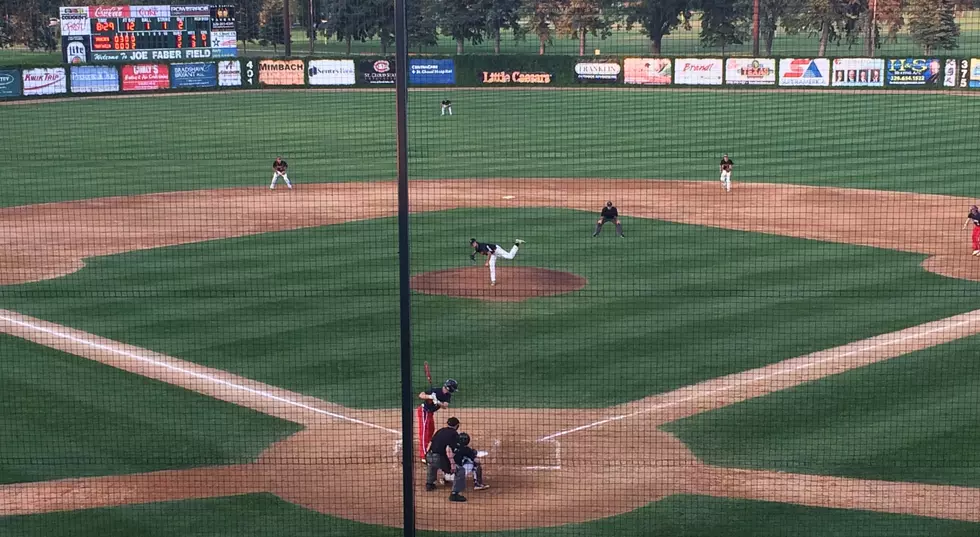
(513, 283)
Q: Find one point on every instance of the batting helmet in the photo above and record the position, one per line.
(451, 385)
(464, 439)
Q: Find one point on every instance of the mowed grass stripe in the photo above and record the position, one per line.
(907, 419)
(315, 310)
(894, 142)
(65, 416)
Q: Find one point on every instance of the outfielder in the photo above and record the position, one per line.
(279, 168)
(493, 251)
(726, 172)
(974, 218)
(447, 106)
(433, 399)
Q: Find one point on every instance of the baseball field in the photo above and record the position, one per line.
(187, 352)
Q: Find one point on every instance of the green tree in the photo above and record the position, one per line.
(422, 26)
(539, 17)
(271, 31)
(350, 20)
(579, 18)
(463, 20)
(247, 20)
(771, 14)
(724, 23)
(932, 24)
(500, 15)
(832, 20)
(657, 18)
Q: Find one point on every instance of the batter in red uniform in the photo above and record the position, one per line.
(432, 400)
(974, 218)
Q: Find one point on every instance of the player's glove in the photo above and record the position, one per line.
(473, 257)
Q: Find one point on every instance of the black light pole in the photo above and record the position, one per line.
(405, 306)
(312, 27)
(287, 28)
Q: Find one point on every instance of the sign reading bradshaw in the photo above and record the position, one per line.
(515, 77)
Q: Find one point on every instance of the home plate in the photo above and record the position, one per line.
(508, 197)
(482, 453)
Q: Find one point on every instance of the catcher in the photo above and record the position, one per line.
(279, 168)
(465, 459)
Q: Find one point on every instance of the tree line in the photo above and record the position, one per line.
(723, 23)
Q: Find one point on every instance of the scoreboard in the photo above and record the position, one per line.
(128, 33)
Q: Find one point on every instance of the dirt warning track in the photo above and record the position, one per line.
(548, 467)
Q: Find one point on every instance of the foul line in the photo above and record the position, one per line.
(195, 374)
(739, 384)
(556, 466)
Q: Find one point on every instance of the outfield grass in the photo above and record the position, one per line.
(230, 139)
(316, 310)
(263, 515)
(64, 416)
(621, 42)
(912, 418)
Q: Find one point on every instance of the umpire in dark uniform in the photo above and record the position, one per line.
(440, 454)
(609, 214)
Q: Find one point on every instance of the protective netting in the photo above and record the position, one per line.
(664, 286)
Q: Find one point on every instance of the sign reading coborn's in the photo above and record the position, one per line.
(515, 77)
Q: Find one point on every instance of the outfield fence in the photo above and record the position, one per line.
(684, 310)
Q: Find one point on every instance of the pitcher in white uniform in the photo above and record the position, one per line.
(493, 251)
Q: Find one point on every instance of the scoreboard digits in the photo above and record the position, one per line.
(176, 29)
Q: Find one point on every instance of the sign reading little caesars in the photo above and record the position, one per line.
(648, 71)
(698, 71)
(282, 72)
(515, 77)
(194, 75)
(94, 79)
(432, 72)
(807, 72)
(377, 72)
(45, 81)
(332, 73)
(914, 72)
(10, 83)
(598, 72)
(755, 71)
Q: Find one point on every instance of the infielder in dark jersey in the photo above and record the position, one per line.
(492, 252)
(466, 461)
(974, 218)
(609, 214)
(726, 165)
(279, 168)
(439, 455)
(433, 399)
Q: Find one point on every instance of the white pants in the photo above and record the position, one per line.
(276, 176)
(726, 180)
(447, 107)
(501, 253)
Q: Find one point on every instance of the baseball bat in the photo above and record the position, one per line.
(428, 374)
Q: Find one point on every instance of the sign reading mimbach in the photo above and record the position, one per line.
(515, 77)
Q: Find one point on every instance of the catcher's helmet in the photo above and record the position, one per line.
(464, 440)
(451, 385)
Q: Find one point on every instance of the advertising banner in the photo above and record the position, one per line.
(914, 72)
(974, 78)
(332, 73)
(75, 49)
(515, 77)
(432, 72)
(755, 71)
(202, 10)
(150, 12)
(194, 75)
(282, 72)
(807, 72)
(108, 12)
(10, 83)
(94, 79)
(224, 39)
(859, 72)
(377, 72)
(45, 81)
(229, 73)
(951, 74)
(648, 71)
(607, 72)
(145, 77)
(75, 25)
(75, 10)
(157, 55)
(698, 71)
